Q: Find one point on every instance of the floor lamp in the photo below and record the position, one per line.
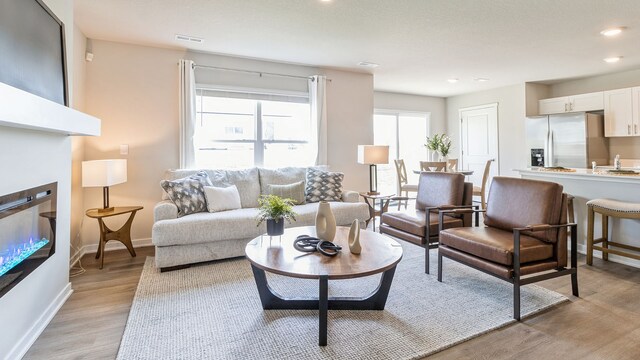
(373, 155)
(104, 173)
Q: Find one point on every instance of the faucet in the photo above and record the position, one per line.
(616, 162)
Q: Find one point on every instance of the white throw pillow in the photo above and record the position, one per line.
(221, 199)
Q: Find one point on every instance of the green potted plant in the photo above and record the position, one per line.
(445, 146)
(433, 144)
(275, 210)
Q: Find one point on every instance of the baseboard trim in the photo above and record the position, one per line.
(111, 246)
(25, 343)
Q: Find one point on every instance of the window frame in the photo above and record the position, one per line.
(397, 114)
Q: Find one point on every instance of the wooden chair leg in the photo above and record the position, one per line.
(605, 236)
(590, 226)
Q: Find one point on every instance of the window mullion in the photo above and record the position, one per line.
(258, 152)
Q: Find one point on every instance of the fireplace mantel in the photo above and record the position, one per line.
(29, 111)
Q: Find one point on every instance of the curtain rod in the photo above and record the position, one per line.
(259, 73)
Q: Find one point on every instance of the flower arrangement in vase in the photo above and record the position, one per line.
(438, 144)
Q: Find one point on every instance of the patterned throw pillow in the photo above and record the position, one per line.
(323, 185)
(293, 191)
(188, 193)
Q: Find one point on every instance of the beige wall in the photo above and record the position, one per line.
(511, 116)
(134, 90)
(435, 106)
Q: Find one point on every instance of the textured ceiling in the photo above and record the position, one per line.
(419, 44)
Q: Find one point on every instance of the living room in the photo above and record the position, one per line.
(122, 67)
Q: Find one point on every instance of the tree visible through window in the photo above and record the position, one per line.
(240, 133)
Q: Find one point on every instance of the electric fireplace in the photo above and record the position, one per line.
(27, 233)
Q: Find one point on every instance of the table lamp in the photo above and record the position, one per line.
(373, 155)
(104, 173)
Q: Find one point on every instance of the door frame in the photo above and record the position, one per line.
(494, 105)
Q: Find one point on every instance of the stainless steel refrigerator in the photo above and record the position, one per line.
(569, 140)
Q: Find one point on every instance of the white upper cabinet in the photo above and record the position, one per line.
(635, 92)
(574, 103)
(619, 113)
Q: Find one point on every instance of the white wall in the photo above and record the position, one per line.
(134, 90)
(38, 158)
(435, 106)
(512, 150)
(627, 147)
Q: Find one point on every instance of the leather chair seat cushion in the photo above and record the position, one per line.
(413, 222)
(496, 245)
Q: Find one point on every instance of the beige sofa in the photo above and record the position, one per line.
(211, 236)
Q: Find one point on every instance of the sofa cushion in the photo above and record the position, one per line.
(495, 245)
(188, 193)
(222, 198)
(248, 183)
(323, 185)
(217, 177)
(344, 213)
(281, 176)
(293, 191)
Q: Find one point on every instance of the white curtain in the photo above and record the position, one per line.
(187, 106)
(317, 99)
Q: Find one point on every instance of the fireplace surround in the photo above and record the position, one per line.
(27, 232)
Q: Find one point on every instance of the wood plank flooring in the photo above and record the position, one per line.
(604, 323)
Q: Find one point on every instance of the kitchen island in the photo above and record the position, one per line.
(585, 185)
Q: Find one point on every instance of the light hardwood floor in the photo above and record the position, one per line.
(604, 323)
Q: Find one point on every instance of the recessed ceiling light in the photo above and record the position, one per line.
(326, 1)
(368, 64)
(611, 31)
(481, 79)
(613, 59)
(453, 80)
(188, 38)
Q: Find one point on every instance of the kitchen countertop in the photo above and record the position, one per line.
(582, 174)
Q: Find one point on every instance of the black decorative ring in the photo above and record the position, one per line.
(306, 243)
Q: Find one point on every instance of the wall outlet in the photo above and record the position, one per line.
(124, 149)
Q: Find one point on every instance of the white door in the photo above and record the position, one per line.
(479, 140)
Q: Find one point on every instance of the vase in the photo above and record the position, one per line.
(325, 222)
(275, 227)
(354, 238)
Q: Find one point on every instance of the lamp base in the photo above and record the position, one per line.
(373, 193)
(104, 210)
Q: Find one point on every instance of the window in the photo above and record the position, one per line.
(405, 133)
(256, 130)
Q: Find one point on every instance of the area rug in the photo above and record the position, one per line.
(213, 312)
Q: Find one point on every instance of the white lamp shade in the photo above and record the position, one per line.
(104, 172)
(373, 154)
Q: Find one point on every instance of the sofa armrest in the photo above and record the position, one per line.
(165, 210)
(350, 196)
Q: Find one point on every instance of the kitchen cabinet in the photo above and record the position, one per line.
(620, 112)
(635, 92)
(574, 103)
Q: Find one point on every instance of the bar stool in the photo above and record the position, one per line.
(606, 208)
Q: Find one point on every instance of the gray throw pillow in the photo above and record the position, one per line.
(188, 193)
(323, 185)
(293, 191)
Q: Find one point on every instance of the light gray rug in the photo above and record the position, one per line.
(213, 312)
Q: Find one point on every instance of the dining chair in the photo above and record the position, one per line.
(403, 182)
(433, 165)
(481, 190)
(452, 165)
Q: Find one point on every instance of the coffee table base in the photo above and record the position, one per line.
(272, 301)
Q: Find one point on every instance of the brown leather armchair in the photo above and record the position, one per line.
(436, 191)
(525, 233)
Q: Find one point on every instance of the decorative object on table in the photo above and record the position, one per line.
(373, 155)
(275, 210)
(354, 238)
(325, 222)
(323, 185)
(438, 144)
(187, 193)
(555, 169)
(306, 243)
(104, 173)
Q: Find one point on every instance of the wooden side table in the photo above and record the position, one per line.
(123, 234)
(370, 200)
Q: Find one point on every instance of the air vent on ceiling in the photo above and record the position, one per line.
(189, 39)
(367, 64)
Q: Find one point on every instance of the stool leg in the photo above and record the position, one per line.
(605, 236)
(590, 226)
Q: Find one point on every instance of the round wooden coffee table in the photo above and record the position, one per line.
(380, 254)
